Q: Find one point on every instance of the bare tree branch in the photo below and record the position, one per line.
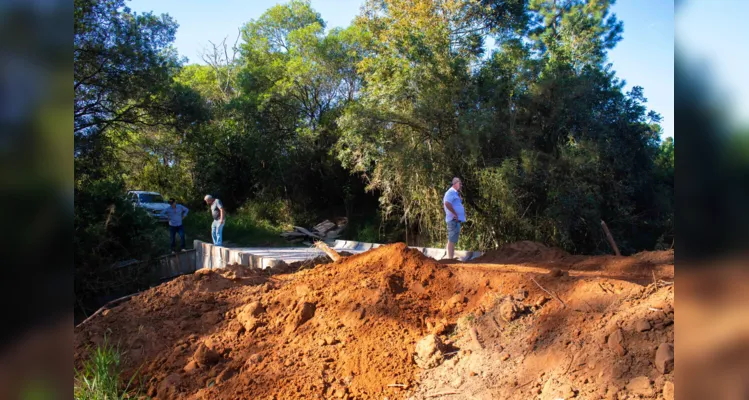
(224, 65)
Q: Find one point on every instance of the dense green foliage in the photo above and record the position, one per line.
(372, 122)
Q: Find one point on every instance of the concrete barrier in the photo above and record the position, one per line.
(164, 267)
(210, 256)
(177, 264)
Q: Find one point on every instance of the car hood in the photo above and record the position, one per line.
(155, 206)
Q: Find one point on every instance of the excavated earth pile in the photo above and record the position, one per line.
(391, 323)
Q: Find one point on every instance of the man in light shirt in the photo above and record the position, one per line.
(455, 215)
(219, 217)
(176, 212)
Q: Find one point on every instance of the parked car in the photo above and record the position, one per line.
(152, 202)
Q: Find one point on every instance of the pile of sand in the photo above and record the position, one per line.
(348, 329)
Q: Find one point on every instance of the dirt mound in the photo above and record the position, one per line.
(612, 340)
(344, 328)
(656, 257)
(310, 263)
(350, 328)
(525, 251)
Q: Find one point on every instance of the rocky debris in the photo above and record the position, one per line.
(191, 366)
(253, 360)
(236, 272)
(303, 313)
(338, 391)
(541, 301)
(226, 374)
(254, 309)
(169, 387)
(439, 327)
(509, 310)
(252, 324)
(279, 267)
(211, 318)
(456, 301)
(553, 390)
(616, 342)
(429, 352)
(457, 382)
(642, 325)
(664, 358)
(312, 262)
(205, 356)
(248, 317)
(668, 391)
(558, 273)
(640, 386)
(234, 329)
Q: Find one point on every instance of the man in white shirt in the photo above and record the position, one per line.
(455, 215)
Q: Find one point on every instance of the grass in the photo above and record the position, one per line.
(242, 228)
(100, 377)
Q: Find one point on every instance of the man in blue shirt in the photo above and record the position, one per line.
(455, 215)
(176, 212)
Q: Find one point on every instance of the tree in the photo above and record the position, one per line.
(123, 87)
(544, 138)
(120, 59)
(576, 32)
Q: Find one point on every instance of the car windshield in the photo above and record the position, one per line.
(150, 198)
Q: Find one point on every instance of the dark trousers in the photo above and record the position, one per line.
(173, 230)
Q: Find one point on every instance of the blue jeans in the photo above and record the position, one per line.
(217, 230)
(173, 230)
(453, 231)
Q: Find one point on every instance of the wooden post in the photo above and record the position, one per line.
(330, 252)
(610, 238)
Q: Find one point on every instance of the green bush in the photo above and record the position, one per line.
(254, 224)
(270, 213)
(367, 233)
(109, 229)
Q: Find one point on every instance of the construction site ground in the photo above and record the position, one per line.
(521, 322)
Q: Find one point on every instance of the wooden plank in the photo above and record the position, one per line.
(292, 234)
(324, 227)
(308, 233)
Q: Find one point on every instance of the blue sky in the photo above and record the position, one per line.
(644, 57)
(712, 38)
